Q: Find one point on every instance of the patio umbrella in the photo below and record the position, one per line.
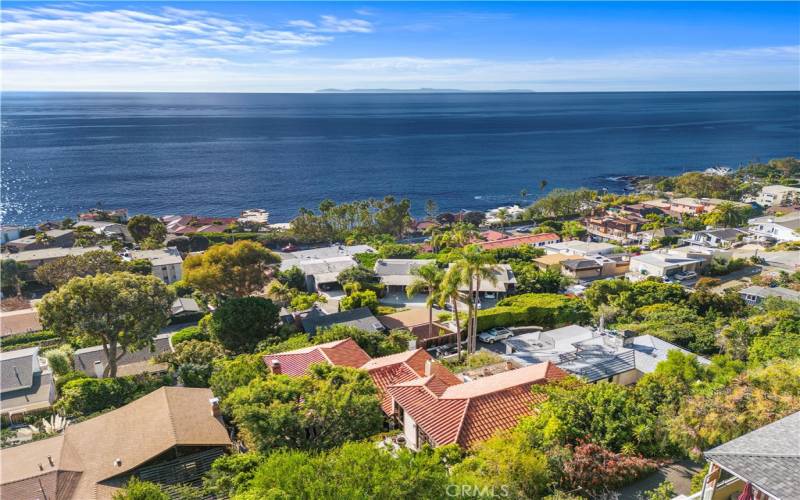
(747, 492)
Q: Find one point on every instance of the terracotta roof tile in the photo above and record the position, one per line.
(471, 412)
(345, 352)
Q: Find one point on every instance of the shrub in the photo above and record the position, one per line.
(228, 374)
(397, 251)
(240, 324)
(544, 309)
(366, 298)
(83, 396)
(60, 359)
(140, 490)
(63, 379)
(27, 339)
(189, 333)
(595, 469)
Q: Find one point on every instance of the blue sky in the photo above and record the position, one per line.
(304, 46)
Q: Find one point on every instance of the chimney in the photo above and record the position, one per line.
(118, 462)
(509, 365)
(412, 344)
(50, 459)
(98, 369)
(509, 348)
(487, 372)
(275, 367)
(41, 467)
(215, 411)
(428, 367)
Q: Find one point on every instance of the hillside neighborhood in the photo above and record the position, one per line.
(587, 345)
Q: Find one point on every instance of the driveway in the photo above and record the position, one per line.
(679, 474)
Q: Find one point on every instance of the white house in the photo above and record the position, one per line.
(581, 248)
(776, 229)
(167, 262)
(775, 195)
(396, 274)
(662, 264)
(756, 294)
(717, 238)
(9, 233)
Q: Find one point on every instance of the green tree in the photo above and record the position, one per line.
(364, 298)
(572, 230)
(235, 270)
(321, 410)
(728, 215)
(473, 266)
(240, 324)
(81, 397)
(193, 361)
(146, 227)
(228, 374)
(11, 275)
(121, 311)
(356, 470)
(676, 324)
(362, 276)
(135, 489)
(450, 290)
(376, 344)
(231, 474)
(431, 209)
(427, 279)
(293, 278)
(60, 271)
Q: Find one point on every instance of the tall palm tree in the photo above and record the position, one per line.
(451, 291)
(473, 266)
(427, 278)
(502, 216)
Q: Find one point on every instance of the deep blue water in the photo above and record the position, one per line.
(218, 153)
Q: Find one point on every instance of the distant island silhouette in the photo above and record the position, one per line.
(421, 91)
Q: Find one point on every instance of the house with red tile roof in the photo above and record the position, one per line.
(385, 371)
(345, 352)
(534, 240)
(433, 412)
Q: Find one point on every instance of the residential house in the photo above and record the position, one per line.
(35, 258)
(512, 212)
(360, 318)
(533, 240)
(384, 371)
(54, 238)
(760, 465)
(581, 248)
(169, 437)
(190, 224)
(492, 235)
(777, 195)
(93, 360)
(254, 217)
(113, 230)
(591, 354)
(615, 227)
(422, 226)
(551, 261)
(167, 262)
(185, 307)
(756, 294)
(322, 274)
(717, 238)
(294, 258)
(505, 282)
(26, 384)
(663, 264)
(687, 206)
(9, 233)
(396, 274)
(595, 266)
(642, 210)
(432, 411)
(416, 321)
(776, 229)
(19, 321)
(647, 237)
(116, 215)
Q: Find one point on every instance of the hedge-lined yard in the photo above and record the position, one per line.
(542, 309)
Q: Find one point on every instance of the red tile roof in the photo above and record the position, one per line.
(492, 235)
(520, 240)
(471, 412)
(339, 352)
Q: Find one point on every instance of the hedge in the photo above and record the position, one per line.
(84, 396)
(25, 340)
(189, 333)
(541, 309)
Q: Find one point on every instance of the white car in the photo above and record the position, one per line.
(689, 275)
(495, 334)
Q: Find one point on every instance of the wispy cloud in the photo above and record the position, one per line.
(333, 24)
(168, 36)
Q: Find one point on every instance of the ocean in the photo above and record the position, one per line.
(215, 154)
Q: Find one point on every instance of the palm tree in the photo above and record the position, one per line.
(502, 216)
(451, 291)
(427, 278)
(279, 292)
(523, 193)
(473, 266)
(542, 184)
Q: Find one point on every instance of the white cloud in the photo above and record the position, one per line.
(55, 37)
(333, 24)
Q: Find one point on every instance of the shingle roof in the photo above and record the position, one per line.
(764, 292)
(519, 240)
(130, 363)
(35, 397)
(21, 321)
(581, 264)
(16, 369)
(360, 318)
(345, 352)
(471, 412)
(768, 457)
(134, 434)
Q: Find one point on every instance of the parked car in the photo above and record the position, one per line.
(495, 334)
(490, 295)
(667, 279)
(689, 275)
